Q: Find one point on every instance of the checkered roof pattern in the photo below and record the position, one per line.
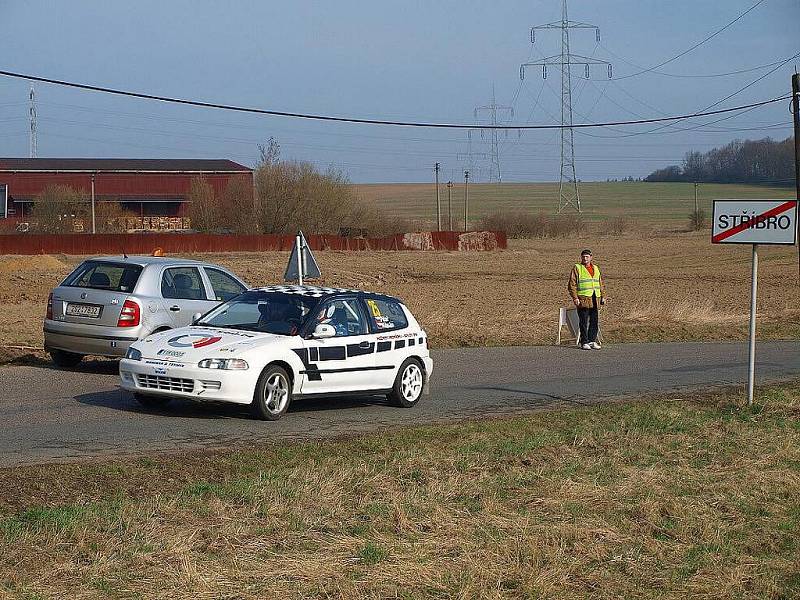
(306, 290)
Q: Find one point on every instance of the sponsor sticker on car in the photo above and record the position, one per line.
(173, 353)
(193, 340)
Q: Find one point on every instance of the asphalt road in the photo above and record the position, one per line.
(48, 414)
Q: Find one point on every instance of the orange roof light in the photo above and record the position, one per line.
(158, 252)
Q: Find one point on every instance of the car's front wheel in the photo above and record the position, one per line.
(273, 394)
(62, 358)
(408, 384)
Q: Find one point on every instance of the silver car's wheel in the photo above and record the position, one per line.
(408, 384)
(273, 394)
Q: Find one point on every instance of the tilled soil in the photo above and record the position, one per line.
(671, 287)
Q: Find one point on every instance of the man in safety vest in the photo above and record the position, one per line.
(587, 289)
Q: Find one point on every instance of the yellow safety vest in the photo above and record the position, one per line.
(588, 285)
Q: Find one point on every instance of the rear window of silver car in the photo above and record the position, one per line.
(97, 275)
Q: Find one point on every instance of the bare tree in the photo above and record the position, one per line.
(237, 209)
(57, 207)
(111, 217)
(271, 153)
(203, 210)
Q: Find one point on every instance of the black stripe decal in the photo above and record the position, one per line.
(411, 342)
(313, 354)
(302, 353)
(358, 350)
(399, 344)
(310, 372)
(332, 353)
(384, 346)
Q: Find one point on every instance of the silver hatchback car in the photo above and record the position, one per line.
(108, 303)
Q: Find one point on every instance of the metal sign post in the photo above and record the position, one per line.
(754, 222)
(299, 241)
(302, 264)
(751, 349)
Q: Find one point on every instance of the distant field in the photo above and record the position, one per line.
(664, 204)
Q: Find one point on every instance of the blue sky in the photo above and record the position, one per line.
(426, 61)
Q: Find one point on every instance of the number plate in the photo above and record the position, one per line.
(91, 311)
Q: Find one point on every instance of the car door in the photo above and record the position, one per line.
(224, 286)
(395, 339)
(345, 362)
(184, 294)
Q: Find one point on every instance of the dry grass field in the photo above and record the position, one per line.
(660, 286)
(659, 204)
(689, 497)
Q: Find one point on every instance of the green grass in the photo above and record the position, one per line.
(661, 204)
(658, 498)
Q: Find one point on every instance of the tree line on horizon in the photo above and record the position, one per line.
(764, 161)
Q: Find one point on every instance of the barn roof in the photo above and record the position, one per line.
(156, 165)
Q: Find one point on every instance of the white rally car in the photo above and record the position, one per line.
(270, 345)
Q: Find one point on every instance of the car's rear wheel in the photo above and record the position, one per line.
(273, 394)
(62, 358)
(151, 401)
(408, 384)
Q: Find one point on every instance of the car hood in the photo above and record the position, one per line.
(193, 344)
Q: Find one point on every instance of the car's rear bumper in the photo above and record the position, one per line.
(89, 339)
(162, 378)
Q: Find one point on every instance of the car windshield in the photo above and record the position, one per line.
(267, 312)
(114, 277)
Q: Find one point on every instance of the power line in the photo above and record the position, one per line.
(717, 103)
(356, 120)
(697, 45)
(687, 75)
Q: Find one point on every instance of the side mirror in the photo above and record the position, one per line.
(324, 330)
(196, 317)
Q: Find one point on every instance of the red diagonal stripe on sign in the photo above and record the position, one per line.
(748, 224)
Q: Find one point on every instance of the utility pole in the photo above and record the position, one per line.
(438, 204)
(450, 204)
(466, 198)
(495, 173)
(568, 193)
(695, 198)
(32, 112)
(94, 225)
(796, 117)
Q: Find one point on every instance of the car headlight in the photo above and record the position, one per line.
(227, 364)
(133, 354)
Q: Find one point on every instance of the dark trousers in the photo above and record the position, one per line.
(588, 322)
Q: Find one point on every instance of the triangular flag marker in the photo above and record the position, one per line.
(302, 264)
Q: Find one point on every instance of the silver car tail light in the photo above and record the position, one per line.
(130, 315)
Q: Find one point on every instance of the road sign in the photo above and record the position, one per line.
(301, 262)
(754, 222)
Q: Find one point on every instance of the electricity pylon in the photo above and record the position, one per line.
(32, 112)
(568, 193)
(468, 157)
(495, 174)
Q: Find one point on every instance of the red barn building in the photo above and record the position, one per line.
(143, 187)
